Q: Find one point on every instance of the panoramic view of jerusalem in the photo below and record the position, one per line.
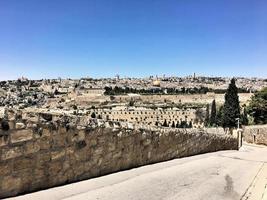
(133, 100)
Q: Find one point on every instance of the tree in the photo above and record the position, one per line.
(93, 115)
(165, 123)
(131, 103)
(183, 124)
(177, 124)
(219, 116)
(213, 113)
(190, 125)
(231, 109)
(200, 115)
(244, 118)
(258, 107)
(207, 118)
(173, 124)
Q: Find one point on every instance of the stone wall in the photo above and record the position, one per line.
(183, 98)
(255, 134)
(149, 116)
(35, 156)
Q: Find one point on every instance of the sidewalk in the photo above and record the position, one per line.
(258, 188)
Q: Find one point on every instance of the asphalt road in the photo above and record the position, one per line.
(212, 176)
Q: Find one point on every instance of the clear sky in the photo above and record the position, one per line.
(102, 38)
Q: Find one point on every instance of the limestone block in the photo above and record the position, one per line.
(21, 135)
(58, 142)
(43, 158)
(11, 124)
(54, 167)
(20, 125)
(31, 147)
(13, 152)
(23, 163)
(10, 183)
(55, 155)
(46, 132)
(81, 127)
(3, 140)
(6, 168)
(44, 143)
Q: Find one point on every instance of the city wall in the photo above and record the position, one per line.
(255, 134)
(42, 152)
(187, 98)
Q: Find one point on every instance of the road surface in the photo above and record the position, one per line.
(213, 176)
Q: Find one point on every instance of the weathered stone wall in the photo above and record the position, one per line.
(43, 155)
(255, 134)
(181, 98)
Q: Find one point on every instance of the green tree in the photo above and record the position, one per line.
(183, 124)
(173, 124)
(258, 107)
(165, 123)
(213, 113)
(93, 115)
(207, 118)
(231, 109)
(219, 116)
(244, 118)
(131, 103)
(190, 125)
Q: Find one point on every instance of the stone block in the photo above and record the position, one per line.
(10, 183)
(11, 124)
(31, 147)
(55, 167)
(3, 140)
(11, 152)
(6, 168)
(55, 155)
(23, 163)
(21, 136)
(58, 141)
(46, 132)
(20, 125)
(43, 158)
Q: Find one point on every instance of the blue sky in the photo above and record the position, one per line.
(102, 38)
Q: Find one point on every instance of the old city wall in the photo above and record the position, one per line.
(255, 134)
(192, 98)
(43, 155)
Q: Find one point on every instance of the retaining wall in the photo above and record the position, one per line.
(255, 134)
(44, 155)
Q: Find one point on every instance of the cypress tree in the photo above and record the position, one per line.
(177, 124)
(231, 109)
(190, 125)
(173, 124)
(93, 115)
(219, 116)
(207, 119)
(165, 123)
(213, 113)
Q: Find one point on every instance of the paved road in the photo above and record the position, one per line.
(212, 176)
